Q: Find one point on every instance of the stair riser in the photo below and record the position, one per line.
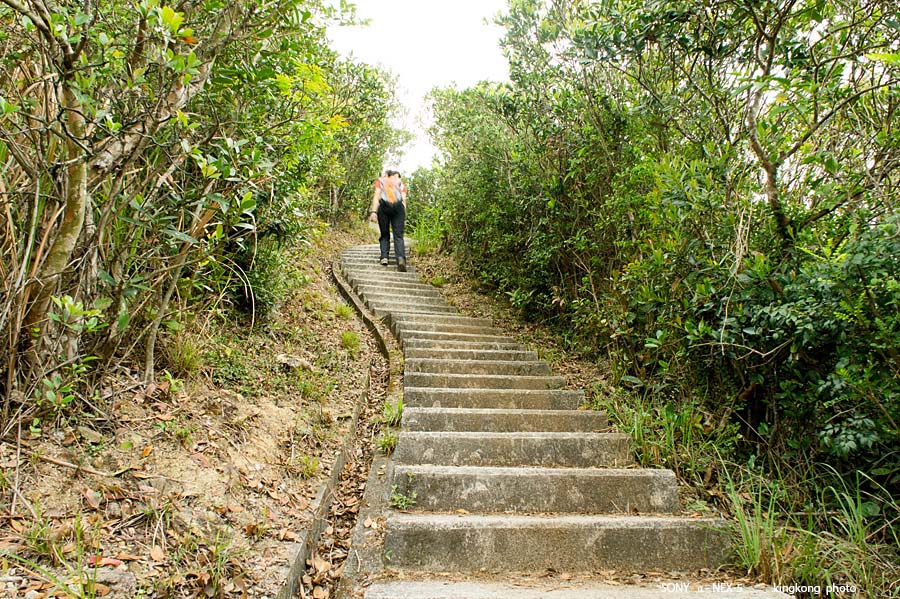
(463, 354)
(519, 450)
(500, 399)
(383, 310)
(564, 549)
(374, 291)
(450, 337)
(385, 277)
(468, 345)
(359, 285)
(565, 491)
(431, 419)
(477, 367)
(408, 319)
(440, 327)
(478, 381)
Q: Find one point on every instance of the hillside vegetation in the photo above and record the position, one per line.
(153, 159)
(706, 194)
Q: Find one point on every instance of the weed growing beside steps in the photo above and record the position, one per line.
(800, 527)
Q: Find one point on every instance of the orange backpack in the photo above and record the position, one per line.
(390, 191)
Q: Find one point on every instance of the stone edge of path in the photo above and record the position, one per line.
(321, 505)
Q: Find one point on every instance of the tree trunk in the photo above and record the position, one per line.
(73, 217)
(773, 198)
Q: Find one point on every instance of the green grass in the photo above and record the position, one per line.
(350, 342)
(343, 311)
(386, 441)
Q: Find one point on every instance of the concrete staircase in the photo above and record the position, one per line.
(508, 476)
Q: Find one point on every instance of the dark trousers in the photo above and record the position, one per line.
(392, 216)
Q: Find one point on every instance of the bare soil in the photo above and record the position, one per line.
(195, 486)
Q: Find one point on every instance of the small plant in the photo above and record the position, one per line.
(57, 394)
(392, 414)
(79, 580)
(350, 342)
(438, 281)
(308, 466)
(343, 311)
(401, 501)
(386, 441)
(184, 355)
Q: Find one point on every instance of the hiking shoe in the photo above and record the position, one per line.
(401, 264)
(384, 261)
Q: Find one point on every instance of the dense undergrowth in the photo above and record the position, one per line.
(155, 162)
(707, 195)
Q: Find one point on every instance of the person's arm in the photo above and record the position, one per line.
(403, 194)
(373, 207)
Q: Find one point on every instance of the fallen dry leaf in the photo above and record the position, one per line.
(90, 435)
(97, 561)
(146, 451)
(93, 498)
(157, 554)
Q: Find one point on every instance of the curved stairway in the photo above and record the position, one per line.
(508, 476)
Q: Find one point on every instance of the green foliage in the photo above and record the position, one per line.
(705, 193)
(343, 311)
(392, 413)
(401, 501)
(718, 230)
(386, 441)
(172, 153)
(350, 342)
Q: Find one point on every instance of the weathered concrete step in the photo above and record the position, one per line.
(400, 298)
(441, 327)
(539, 490)
(401, 317)
(388, 307)
(495, 367)
(413, 353)
(502, 421)
(369, 264)
(550, 450)
(410, 334)
(567, 543)
(413, 292)
(472, 345)
(550, 588)
(383, 276)
(359, 284)
(481, 381)
(508, 399)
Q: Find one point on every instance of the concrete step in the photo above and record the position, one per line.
(366, 290)
(481, 381)
(471, 345)
(502, 421)
(409, 318)
(400, 299)
(550, 450)
(361, 283)
(538, 490)
(382, 309)
(495, 367)
(444, 327)
(384, 276)
(413, 353)
(409, 334)
(508, 399)
(566, 543)
(550, 587)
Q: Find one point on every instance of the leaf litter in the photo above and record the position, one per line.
(200, 489)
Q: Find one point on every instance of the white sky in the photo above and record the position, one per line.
(442, 42)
